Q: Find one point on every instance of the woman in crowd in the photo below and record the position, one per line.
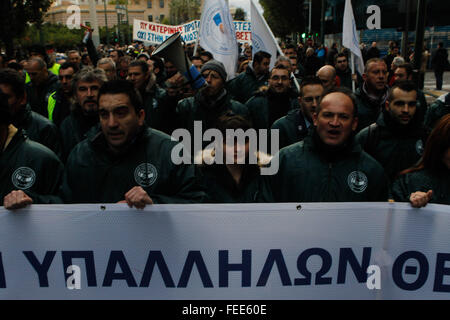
(429, 180)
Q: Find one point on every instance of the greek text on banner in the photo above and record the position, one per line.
(243, 251)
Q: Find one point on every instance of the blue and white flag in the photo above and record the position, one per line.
(350, 38)
(217, 34)
(262, 37)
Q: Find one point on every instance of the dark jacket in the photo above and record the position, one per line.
(312, 65)
(292, 128)
(440, 60)
(29, 166)
(368, 109)
(38, 129)
(423, 180)
(95, 175)
(266, 107)
(37, 97)
(220, 186)
(74, 129)
(345, 77)
(309, 172)
(245, 85)
(199, 108)
(373, 52)
(394, 146)
(61, 109)
(436, 111)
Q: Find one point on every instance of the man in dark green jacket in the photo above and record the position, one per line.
(295, 125)
(37, 127)
(84, 114)
(275, 102)
(371, 97)
(398, 137)
(29, 171)
(43, 83)
(126, 160)
(210, 102)
(245, 85)
(328, 165)
(343, 71)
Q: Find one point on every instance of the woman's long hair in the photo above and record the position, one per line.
(437, 144)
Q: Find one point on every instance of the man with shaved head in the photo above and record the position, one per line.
(327, 74)
(329, 165)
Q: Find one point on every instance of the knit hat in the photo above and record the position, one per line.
(215, 66)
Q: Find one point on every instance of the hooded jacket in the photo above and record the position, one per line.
(394, 146)
(311, 172)
(423, 180)
(245, 85)
(266, 107)
(369, 109)
(95, 175)
(29, 166)
(220, 186)
(38, 129)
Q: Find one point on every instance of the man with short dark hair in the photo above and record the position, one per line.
(206, 56)
(328, 165)
(29, 171)
(372, 95)
(59, 102)
(245, 85)
(37, 127)
(127, 161)
(43, 83)
(84, 111)
(397, 139)
(270, 104)
(343, 70)
(156, 115)
(295, 125)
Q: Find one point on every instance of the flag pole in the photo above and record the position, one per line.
(353, 71)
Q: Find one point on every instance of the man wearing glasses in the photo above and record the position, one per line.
(397, 139)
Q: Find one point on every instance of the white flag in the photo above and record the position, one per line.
(262, 37)
(350, 37)
(217, 34)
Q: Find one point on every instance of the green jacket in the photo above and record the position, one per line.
(396, 148)
(345, 77)
(292, 128)
(307, 174)
(197, 108)
(95, 175)
(74, 129)
(158, 114)
(245, 85)
(38, 129)
(423, 180)
(37, 97)
(29, 166)
(436, 111)
(266, 107)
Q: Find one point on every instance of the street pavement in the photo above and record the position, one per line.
(430, 91)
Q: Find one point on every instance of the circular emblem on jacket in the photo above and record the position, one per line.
(23, 178)
(419, 147)
(145, 174)
(357, 181)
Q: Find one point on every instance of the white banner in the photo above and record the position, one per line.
(154, 33)
(350, 38)
(217, 34)
(262, 37)
(212, 252)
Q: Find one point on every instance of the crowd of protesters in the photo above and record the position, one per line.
(95, 126)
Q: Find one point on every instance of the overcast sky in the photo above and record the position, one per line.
(244, 4)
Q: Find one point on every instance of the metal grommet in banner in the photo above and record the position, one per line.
(103, 208)
(299, 207)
